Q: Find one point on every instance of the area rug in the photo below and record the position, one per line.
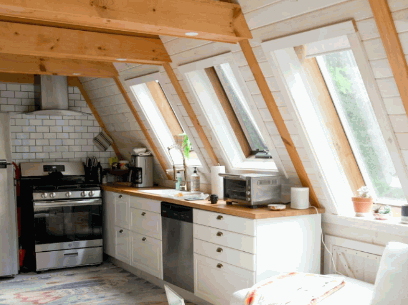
(104, 284)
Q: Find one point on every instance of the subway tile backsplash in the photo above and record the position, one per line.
(50, 138)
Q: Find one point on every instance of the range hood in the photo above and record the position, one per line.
(54, 96)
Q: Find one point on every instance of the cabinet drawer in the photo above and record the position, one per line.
(122, 249)
(145, 204)
(215, 281)
(122, 211)
(146, 223)
(225, 238)
(224, 254)
(147, 254)
(225, 222)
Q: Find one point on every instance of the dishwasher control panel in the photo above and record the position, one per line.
(178, 212)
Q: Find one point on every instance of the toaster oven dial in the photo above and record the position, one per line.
(248, 193)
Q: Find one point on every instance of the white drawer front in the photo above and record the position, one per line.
(145, 204)
(147, 254)
(146, 223)
(225, 238)
(122, 245)
(122, 211)
(215, 281)
(225, 222)
(121, 198)
(224, 254)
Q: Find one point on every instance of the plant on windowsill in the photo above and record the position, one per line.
(363, 203)
(382, 212)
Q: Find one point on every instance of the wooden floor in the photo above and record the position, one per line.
(104, 284)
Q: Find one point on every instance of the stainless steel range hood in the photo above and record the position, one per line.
(54, 96)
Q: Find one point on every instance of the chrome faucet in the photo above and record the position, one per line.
(183, 186)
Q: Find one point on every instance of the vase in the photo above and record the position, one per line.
(362, 206)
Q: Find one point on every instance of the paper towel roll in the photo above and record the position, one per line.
(217, 182)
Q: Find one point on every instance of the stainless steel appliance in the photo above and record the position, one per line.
(178, 251)
(8, 206)
(66, 215)
(141, 170)
(252, 189)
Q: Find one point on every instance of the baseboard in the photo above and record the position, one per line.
(187, 295)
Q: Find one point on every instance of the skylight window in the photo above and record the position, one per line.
(356, 113)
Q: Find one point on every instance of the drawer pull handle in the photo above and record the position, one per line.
(143, 214)
(71, 254)
(121, 231)
(220, 234)
(219, 250)
(120, 196)
(219, 266)
(144, 239)
(219, 217)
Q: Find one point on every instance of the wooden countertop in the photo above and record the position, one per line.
(219, 207)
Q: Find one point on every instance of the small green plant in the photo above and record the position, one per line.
(186, 146)
(364, 192)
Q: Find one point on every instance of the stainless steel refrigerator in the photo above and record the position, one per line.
(8, 205)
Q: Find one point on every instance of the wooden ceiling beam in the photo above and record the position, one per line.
(277, 118)
(392, 46)
(138, 119)
(211, 20)
(22, 64)
(52, 42)
(190, 111)
(74, 81)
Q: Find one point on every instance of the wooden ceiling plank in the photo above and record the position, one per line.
(138, 119)
(74, 81)
(392, 45)
(277, 118)
(211, 20)
(23, 64)
(191, 113)
(44, 41)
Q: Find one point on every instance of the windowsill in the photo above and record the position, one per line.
(391, 226)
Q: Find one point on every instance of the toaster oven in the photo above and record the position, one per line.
(252, 189)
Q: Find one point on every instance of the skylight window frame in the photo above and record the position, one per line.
(162, 80)
(346, 28)
(236, 159)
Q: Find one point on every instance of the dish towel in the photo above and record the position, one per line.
(294, 289)
(102, 141)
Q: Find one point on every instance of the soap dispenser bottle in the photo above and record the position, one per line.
(195, 181)
(179, 178)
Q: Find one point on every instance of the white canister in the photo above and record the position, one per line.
(299, 197)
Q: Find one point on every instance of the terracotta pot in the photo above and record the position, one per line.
(362, 206)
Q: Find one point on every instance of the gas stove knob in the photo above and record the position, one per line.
(44, 195)
(68, 194)
(53, 195)
(83, 194)
(91, 193)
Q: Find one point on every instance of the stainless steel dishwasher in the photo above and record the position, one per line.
(178, 251)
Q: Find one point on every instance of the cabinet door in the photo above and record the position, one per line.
(123, 241)
(122, 208)
(215, 281)
(147, 254)
(109, 242)
(146, 223)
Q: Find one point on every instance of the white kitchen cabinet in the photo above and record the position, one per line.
(216, 281)
(146, 223)
(147, 254)
(145, 204)
(123, 245)
(122, 211)
(109, 238)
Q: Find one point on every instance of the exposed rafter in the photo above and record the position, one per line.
(74, 81)
(277, 118)
(52, 42)
(142, 125)
(392, 45)
(191, 114)
(211, 20)
(23, 64)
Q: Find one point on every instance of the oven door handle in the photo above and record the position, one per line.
(66, 203)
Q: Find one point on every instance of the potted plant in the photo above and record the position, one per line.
(383, 212)
(363, 204)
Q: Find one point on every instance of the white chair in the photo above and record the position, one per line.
(389, 289)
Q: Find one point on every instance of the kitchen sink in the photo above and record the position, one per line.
(165, 193)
